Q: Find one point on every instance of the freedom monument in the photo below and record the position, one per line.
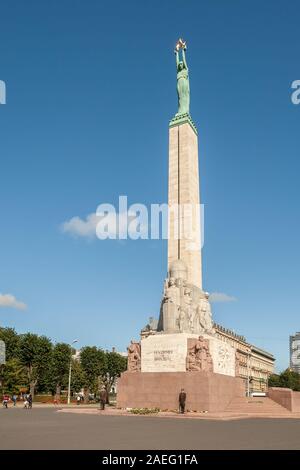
(184, 351)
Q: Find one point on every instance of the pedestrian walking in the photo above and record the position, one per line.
(182, 400)
(14, 399)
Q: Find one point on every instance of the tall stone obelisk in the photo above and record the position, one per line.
(184, 351)
(184, 241)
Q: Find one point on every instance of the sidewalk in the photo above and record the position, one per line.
(224, 416)
(57, 406)
(230, 414)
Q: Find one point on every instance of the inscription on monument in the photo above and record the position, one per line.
(163, 355)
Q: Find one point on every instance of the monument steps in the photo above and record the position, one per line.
(256, 405)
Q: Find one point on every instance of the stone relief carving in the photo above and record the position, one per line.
(223, 357)
(198, 355)
(134, 357)
(185, 308)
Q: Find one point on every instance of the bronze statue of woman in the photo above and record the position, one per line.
(183, 84)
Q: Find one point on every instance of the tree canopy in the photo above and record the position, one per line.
(37, 365)
(61, 356)
(287, 379)
(35, 354)
(12, 342)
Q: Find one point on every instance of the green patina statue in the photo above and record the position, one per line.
(183, 84)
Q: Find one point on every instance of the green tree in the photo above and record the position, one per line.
(115, 365)
(274, 380)
(78, 377)
(61, 356)
(290, 379)
(36, 355)
(12, 342)
(14, 376)
(287, 379)
(93, 363)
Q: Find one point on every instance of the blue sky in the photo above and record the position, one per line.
(91, 87)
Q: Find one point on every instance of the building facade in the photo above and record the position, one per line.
(255, 364)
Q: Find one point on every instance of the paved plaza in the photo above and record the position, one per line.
(48, 428)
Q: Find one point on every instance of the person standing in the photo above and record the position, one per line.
(103, 397)
(14, 399)
(182, 400)
(29, 401)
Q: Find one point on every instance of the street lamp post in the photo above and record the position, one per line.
(70, 371)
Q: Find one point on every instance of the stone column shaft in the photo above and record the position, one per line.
(184, 243)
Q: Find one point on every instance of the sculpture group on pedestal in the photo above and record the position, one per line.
(185, 308)
(198, 355)
(134, 357)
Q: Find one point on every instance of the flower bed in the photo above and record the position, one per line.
(144, 411)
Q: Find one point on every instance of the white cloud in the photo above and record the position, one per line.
(81, 228)
(112, 225)
(9, 301)
(220, 297)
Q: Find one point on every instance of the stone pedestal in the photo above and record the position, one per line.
(203, 365)
(205, 391)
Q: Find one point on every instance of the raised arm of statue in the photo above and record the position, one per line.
(177, 58)
(184, 59)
